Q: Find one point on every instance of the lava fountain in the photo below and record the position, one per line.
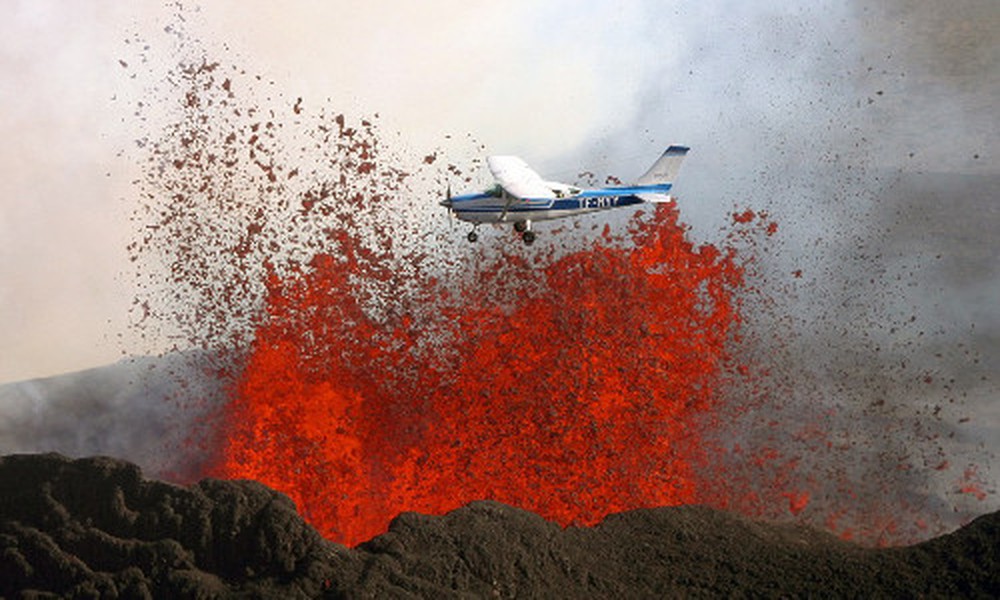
(369, 377)
(575, 396)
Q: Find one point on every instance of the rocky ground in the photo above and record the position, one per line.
(95, 527)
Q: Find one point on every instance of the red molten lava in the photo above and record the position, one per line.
(573, 388)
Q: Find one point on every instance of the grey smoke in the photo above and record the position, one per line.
(156, 412)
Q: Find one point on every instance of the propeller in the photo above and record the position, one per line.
(448, 204)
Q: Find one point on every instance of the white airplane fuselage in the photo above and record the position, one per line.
(487, 207)
(520, 196)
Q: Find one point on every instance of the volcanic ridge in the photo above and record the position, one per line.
(95, 527)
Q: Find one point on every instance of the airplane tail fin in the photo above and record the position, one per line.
(665, 169)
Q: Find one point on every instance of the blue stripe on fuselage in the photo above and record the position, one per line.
(468, 197)
(660, 188)
(565, 204)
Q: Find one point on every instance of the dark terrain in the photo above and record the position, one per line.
(95, 527)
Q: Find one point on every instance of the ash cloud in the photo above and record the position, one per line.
(156, 411)
(931, 74)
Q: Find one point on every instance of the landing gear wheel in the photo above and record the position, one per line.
(528, 237)
(520, 226)
(473, 236)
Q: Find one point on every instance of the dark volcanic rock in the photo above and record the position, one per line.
(489, 549)
(95, 528)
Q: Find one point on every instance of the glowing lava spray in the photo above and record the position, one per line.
(575, 396)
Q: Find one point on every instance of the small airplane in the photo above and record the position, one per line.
(520, 196)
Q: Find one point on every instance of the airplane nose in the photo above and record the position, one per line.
(446, 203)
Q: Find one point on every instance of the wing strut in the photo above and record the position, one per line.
(506, 207)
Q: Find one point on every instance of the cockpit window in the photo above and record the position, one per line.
(567, 191)
(496, 191)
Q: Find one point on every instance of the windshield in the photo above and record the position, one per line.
(496, 191)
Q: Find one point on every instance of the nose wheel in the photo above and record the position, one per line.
(529, 237)
(473, 236)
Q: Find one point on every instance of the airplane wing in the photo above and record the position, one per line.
(515, 176)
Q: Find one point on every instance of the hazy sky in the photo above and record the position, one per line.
(752, 87)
